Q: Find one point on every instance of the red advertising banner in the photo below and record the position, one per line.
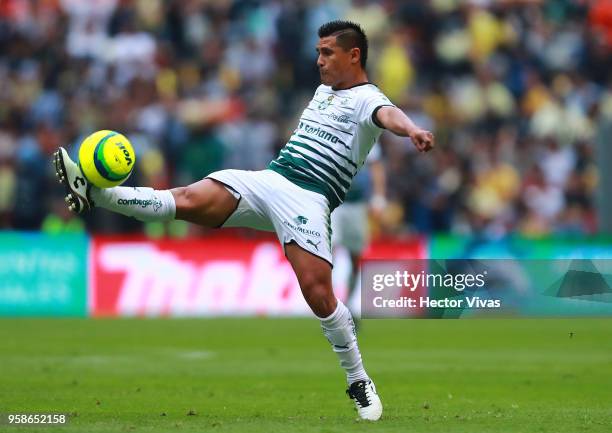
(203, 277)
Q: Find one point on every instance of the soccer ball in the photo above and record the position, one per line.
(106, 158)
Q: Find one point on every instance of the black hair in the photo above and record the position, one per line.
(348, 35)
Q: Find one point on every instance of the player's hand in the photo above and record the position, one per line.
(423, 140)
(378, 204)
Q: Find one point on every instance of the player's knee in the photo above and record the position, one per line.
(207, 203)
(188, 199)
(318, 294)
(181, 197)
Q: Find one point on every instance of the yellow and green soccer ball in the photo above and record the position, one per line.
(106, 158)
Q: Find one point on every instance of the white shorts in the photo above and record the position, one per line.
(270, 202)
(350, 226)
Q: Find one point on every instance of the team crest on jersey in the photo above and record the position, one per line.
(325, 103)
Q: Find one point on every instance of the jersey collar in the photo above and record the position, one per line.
(355, 85)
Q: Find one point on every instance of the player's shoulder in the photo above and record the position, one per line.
(365, 89)
(368, 92)
(360, 90)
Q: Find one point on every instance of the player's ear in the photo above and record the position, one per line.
(355, 55)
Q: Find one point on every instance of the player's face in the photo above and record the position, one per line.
(333, 61)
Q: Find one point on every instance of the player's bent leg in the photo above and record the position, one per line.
(314, 276)
(206, 202)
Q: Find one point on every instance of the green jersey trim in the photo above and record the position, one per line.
(327, 158)
(306, 163)
(330, 148)
(305, 180)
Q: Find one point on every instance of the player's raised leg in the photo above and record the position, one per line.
(314, 275)
(207, 202)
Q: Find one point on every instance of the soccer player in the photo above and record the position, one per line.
(295, 195)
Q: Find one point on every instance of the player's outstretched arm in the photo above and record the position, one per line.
(394, 119)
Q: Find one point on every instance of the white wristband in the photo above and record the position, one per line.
(378, 202)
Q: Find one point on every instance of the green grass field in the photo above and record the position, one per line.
(280, 375)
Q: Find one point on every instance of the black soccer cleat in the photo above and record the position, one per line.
(77, 187)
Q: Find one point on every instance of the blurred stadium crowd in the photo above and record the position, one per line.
(514, 90)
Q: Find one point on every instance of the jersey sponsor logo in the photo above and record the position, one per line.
(343, 118)
(318, 132)
(142, 203)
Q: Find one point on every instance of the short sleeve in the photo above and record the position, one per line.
(372, 102)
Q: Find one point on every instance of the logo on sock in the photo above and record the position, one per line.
(156, 203)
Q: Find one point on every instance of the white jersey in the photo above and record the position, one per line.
(334, 136)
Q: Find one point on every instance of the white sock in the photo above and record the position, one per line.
(144, 204)
(339, 329)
